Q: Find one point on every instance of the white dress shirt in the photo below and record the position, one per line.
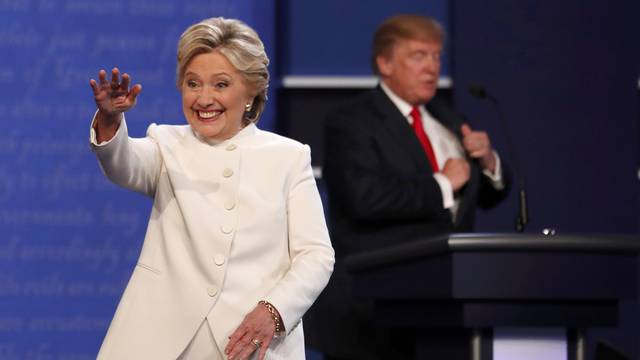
(445, 146)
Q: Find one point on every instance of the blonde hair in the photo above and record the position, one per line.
(404, 26)
(240, 44)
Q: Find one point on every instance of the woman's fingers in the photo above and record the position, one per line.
(243, 347)
(94, 87)
(247, 346)
(246, 352)
(115, 77)
(264, 347)
(254, 334)
(102, 77)
(135, 91)
(235, 338)
(126, 79)
(239, 347)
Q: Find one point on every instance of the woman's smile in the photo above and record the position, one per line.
(210, 115)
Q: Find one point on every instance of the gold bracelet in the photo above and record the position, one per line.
(277, 319)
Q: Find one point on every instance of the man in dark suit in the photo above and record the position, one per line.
(399, 165)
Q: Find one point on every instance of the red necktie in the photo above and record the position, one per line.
(424, 140)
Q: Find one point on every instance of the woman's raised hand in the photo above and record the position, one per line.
(114, 97)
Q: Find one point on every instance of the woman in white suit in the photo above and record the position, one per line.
(237, 248)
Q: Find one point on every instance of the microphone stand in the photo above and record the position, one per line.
(522, 218)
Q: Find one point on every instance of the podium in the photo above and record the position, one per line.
(451, 290)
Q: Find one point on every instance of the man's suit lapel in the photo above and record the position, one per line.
(453, 121)
(445, 116)
(399, 129)
(401, 132)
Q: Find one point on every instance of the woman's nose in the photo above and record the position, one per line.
(206, 97)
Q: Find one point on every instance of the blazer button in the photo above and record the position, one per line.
(231, 147)
(212, 290)
(227, 229)
(227, 172)
(229, 204)
(219, 259)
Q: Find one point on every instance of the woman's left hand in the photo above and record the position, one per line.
(254, 333)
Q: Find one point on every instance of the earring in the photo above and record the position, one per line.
(247, 107)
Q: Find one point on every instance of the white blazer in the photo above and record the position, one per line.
(232, 223)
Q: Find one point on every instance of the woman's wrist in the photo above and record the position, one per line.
(106, 126)
(275, 315)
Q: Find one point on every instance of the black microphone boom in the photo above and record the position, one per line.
(479, 92)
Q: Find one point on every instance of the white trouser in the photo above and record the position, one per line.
(203, 345)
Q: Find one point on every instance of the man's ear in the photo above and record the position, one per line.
(385, 67)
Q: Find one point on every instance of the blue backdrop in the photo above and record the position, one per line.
(334, 37)
(69, 237)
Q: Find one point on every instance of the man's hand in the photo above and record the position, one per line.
(457, 171)
(478, 146)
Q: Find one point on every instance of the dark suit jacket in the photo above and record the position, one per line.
(381, 192)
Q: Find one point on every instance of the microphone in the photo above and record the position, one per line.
(522, 218)
(478, 92)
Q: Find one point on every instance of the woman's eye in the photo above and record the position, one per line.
(221, 85)
(192, 84)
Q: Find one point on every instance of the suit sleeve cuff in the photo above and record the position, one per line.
(495, 177)
(93, 137)
(446, 189)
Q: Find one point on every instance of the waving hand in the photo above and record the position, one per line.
(112, 98)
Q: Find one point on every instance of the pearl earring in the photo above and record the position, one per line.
(247, 107)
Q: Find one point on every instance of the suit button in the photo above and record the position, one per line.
(219, 259)
(212, 290)
(227, 229)
(229, 204)
(227, 172)
(231, 147)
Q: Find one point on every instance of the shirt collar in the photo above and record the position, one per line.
(404, 107)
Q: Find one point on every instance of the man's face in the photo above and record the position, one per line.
(412, 69)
